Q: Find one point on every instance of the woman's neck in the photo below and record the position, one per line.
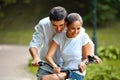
(68, 36)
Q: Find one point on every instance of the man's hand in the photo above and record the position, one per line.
(34, 53)
(35, 62)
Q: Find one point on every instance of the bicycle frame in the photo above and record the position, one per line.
(90, 60)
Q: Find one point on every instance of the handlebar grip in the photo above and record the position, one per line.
(90, 59)
(41, 63)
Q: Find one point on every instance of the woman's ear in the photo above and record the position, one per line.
(81, 23)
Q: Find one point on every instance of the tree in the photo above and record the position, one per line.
(107, 10)
(4, 3)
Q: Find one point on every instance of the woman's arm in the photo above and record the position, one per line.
(49, 57)
(87, 49)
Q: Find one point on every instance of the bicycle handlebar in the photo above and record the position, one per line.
(91, 59)
(42, 63)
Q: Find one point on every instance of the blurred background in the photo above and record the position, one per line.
(101, 21)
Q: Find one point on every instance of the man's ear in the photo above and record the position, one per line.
(65, 24)
(66, 28)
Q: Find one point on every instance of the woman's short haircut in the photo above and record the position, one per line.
(73, 17)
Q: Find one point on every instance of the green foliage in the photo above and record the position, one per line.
(110, 53)
(102, 72)
(32, 69)
(107, 10)
(1, 14)
(7, 2)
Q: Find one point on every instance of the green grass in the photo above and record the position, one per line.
(22, 37)
(107, 36)
(31, 68)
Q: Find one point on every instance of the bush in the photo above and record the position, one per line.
(102, 72)
(31, 68)
(109, 53)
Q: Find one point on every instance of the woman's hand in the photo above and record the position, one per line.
(57, 69)
(82, 66)
(98, 60)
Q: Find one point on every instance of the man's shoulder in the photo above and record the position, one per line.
(45, 20)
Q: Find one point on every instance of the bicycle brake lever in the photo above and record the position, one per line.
(90, 59)
(41, 63)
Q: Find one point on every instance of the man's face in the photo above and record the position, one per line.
(58, 25)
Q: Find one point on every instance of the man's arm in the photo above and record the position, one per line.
(34, 53)
(36, 41)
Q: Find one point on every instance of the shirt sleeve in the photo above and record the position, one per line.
(57, 39)
(85, 39)
(38, 36)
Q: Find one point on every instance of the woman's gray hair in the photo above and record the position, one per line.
(73, 17)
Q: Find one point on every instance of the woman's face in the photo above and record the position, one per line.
(73, 29)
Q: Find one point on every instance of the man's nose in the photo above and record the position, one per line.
(59, 28)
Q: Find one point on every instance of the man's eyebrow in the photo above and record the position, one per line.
(61, 24)
(53, 24)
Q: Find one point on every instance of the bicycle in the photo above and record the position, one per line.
(71, 74)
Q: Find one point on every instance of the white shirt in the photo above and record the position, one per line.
(42, 36)
(71, 49)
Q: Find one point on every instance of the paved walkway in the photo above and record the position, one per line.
(14, 62)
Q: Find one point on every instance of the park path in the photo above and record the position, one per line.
(14, 62)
